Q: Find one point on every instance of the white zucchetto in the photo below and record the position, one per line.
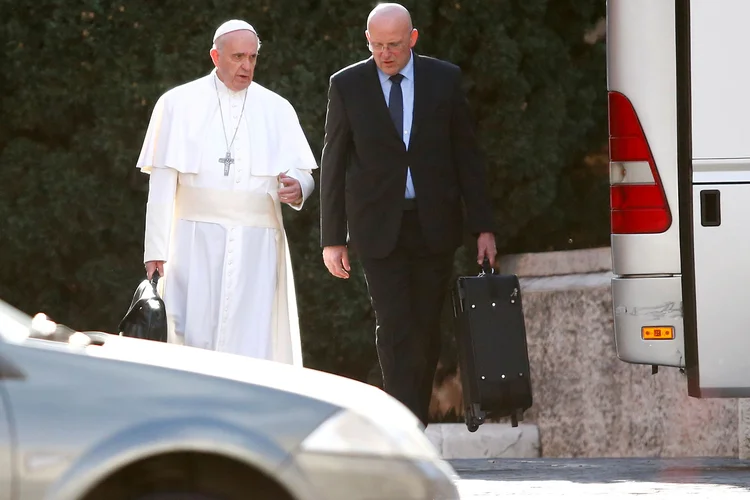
(233, 25)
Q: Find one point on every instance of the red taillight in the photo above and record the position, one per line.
(637, 200)
(636, 196)
(632, 148)
(639, 221)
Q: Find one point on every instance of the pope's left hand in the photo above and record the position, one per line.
(291, 192)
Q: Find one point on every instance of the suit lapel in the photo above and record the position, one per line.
(373, 91)
(421, 97)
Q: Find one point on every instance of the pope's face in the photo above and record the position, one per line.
(235, 56)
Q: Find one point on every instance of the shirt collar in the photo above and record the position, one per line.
(223, 89)
(407, 71)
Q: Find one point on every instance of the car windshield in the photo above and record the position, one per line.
(15, 326)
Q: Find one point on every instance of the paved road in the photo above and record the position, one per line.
(616, 479)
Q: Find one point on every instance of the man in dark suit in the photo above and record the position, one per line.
(398, 159)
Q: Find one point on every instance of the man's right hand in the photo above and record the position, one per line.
(152, 265)
(336, 259)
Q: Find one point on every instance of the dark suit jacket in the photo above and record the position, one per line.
(364, 162)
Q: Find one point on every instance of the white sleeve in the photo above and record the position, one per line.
(306, 182)
(159, 211)
(301, 161)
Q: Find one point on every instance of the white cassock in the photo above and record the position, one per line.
(228, 282)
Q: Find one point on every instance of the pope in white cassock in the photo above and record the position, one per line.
(223, 153)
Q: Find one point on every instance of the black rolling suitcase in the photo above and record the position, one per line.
(492, 352)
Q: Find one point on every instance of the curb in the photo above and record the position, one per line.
(563, 262)
(491, 440)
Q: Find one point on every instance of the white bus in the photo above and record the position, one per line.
(678, 76)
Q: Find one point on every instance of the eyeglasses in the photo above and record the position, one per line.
(380, 47)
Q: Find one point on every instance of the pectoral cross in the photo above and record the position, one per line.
(227, 161)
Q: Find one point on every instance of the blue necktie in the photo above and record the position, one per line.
(396, 109)
(396, 104)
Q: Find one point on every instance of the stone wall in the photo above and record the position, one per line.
(588, 403)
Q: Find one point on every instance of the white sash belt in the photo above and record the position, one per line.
(234, 208)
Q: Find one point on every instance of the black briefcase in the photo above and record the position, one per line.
(147, 317)
(492, 352)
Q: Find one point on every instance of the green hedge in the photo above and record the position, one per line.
(80, 79)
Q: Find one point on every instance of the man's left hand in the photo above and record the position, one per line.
(486, 248)
(291, 192)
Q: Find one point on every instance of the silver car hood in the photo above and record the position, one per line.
(364, 399)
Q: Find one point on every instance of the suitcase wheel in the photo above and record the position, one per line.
(474, 418)
(473, 424)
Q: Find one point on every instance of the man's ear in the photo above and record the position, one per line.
(215, 56)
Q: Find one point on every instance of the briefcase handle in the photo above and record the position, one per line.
(155, 277)
(486, 268)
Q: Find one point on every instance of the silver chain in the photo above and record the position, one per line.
(223, 128)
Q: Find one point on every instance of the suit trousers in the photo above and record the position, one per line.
(407, 289)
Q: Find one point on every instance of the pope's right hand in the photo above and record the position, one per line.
(154, 265)
(336, 259)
